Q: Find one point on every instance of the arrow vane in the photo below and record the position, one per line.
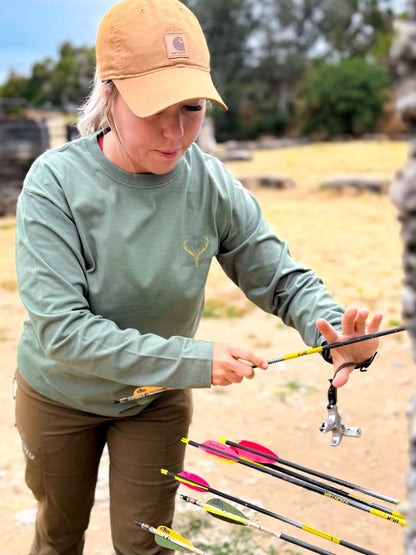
(218, 449)
(224, 511)
(197, 483)
(259, 453)
(317, 483)
(165, 537)
(142, 392)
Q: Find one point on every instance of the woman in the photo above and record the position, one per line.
(115, 235)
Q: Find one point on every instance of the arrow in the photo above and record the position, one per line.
(337, 491)
(145, 391)
(261, 454)
(197, 483)
(170, 539)
(336, 345)
(224, 511)
(141, 392)
(220, 450)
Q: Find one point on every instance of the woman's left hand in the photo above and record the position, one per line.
(353, 324)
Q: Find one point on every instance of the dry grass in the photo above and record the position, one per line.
(351, 240)
(7, 266)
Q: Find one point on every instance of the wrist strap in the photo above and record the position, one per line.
(361, 366)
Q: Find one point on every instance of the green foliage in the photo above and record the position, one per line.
(63, 84)
(14, 87)
(352, 27)
(342, 99)
(219, 309)
(291, 388)
(228, 27)
(259, 52)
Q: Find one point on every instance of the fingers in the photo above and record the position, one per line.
(353, 324)
(327, 331)
(232, 364)
(249, 358)
(354, 321)
(375, 322)
(342, 377)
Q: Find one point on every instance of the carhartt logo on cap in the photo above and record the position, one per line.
(176, 46)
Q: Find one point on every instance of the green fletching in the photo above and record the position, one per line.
(172, 540)
(168, 544)
(224, 511)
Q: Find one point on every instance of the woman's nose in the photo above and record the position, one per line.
(173, 125)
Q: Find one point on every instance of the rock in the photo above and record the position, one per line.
(269, 181)
(22, 140)
(372, 184)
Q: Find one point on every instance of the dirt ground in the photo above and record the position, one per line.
(281, 408)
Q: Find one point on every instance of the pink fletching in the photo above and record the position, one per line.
(255, 456)
(221, 450)
(191, 480)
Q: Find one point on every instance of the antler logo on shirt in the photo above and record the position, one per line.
(195, 246)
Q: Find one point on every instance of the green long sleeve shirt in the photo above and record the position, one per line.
(112, 268)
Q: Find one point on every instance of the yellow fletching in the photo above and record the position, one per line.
(145, 390)
(173, 535)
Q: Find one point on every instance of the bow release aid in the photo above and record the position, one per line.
(333, 422)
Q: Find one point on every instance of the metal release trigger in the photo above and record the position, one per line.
(333, 422)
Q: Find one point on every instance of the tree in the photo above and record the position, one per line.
(72, 75)
(358, 28)
(62, 84)
(296, 32)
(14, 87)
(228, 27)
(345, 98)
(260, 51)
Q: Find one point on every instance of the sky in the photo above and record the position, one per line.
(33, 30)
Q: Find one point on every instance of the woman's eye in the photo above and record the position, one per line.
(193, 108)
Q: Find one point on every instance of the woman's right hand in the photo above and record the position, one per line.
(230, 364)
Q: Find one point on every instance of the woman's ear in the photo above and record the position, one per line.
(106, 93)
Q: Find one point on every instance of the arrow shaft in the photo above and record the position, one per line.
(316, 532)
(174, 542)
(145, 392)
(316, 473)
(333, 489)
(303, 484)
(336, 491)
(336, 345)
(234, 519)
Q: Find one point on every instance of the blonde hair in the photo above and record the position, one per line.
(95, 114)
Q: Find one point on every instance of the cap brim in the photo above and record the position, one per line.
(148, 94)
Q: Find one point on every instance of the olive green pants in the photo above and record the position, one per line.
(63, 447)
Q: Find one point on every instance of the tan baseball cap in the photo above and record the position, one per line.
(156, 54)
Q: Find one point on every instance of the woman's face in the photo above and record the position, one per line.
(154, 144)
